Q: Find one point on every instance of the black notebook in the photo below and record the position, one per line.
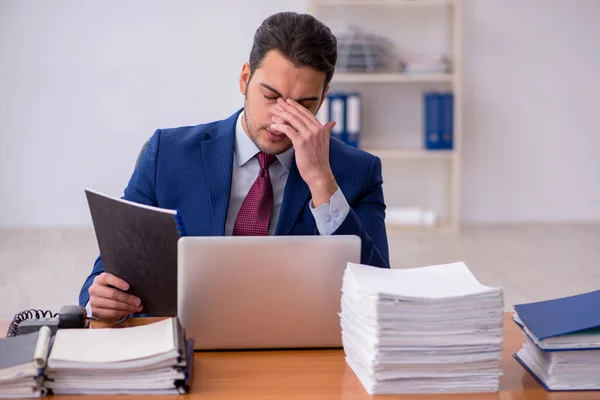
(138, 243)
(22, 359)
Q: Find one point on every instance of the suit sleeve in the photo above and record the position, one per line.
(141, 189)
(367, 220)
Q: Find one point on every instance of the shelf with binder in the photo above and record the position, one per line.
(410, 107)
(399, 152)
(376, 77)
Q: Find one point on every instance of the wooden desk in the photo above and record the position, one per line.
(324, 375)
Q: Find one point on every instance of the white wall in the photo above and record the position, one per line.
(84, 83)
(531, 117)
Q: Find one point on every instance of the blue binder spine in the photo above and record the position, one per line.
(447, 109)
(353, 119)
(432, 121)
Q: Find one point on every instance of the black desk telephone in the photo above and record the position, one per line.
(32, 320)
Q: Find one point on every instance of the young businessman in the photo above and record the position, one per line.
(269, 169)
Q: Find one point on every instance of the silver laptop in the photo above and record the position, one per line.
(263, 292)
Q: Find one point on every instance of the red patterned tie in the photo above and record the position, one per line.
(255, 213)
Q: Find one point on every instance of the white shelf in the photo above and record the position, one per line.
(395, 3)
(366, 77)
(412, 154)
(414, 218)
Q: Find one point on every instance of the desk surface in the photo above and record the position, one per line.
(323, 374)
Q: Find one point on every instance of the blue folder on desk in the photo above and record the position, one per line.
(563, 341)
(546, 319)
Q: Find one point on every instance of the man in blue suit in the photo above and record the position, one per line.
(271, 168)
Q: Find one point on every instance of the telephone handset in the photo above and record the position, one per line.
(69, 317)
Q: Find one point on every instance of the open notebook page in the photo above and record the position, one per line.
(114, 345)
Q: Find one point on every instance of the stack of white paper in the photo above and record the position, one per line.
(422, 330)
(149, 359)
(562, 370)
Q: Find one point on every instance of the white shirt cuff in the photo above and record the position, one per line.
(90, 316)
(89, 310)
(329, 216)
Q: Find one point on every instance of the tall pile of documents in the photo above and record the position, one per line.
(424, 330)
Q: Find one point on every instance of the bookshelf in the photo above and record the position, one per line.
(393, 19)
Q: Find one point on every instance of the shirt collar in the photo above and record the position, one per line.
(245, 148)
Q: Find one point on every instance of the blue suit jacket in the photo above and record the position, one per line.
(189, 169)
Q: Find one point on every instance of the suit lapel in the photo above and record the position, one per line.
(295, 198)
(217, 159)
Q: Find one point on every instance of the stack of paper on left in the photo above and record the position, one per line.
(148, 359)
(22, 360)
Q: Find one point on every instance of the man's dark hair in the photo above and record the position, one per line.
(300, 38)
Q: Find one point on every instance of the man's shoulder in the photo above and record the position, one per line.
(201, 132)
(183, 133)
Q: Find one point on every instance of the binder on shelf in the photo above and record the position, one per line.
(337, 112)
(447, 118)
(439, 121)
(323, 113)
(345, 109)
(432, 121)
(353, 119)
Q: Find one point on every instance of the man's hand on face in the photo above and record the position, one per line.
(108, 300)
(311, 143)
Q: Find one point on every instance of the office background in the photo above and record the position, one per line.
(84, 84)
